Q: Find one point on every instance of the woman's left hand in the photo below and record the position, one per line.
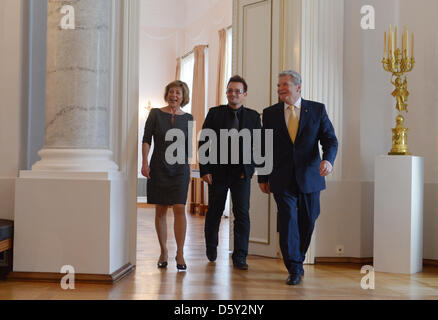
(145, 170)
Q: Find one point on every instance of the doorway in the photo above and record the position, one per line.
(166, 36)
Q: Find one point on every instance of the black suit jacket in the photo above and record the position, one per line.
(301, 157)
(217, 119)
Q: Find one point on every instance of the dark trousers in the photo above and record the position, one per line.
(217, 195)
(297, 213)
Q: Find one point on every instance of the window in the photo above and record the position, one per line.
(228, 61)
(229, 52)
(187, 65)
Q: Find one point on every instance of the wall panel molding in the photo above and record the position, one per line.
(323, 62)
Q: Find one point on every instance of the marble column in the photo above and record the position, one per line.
(72, 208)
(78, 88)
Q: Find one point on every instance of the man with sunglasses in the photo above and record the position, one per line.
(234, 174)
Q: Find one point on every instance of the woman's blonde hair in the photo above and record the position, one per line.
(184, 87)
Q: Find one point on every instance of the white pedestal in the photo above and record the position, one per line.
(398, 214)
(78, 219)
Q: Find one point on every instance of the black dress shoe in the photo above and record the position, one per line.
(240, 265)
(181, 267)
(211, 253)
(293, 279)
(162, 265)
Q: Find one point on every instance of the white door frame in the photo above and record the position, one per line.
(127, 48)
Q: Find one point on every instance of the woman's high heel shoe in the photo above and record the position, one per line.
(162, 265)
(181, 267)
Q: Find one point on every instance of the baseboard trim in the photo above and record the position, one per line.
(79, 277)
(145, 205)
(328, 260)
(362, 261)
(430, 262)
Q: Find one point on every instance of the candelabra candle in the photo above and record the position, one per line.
(390, 49)
(412, 46)
(405, 42)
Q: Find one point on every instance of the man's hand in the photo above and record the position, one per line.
(145, 170)
(325, 168)
(208, 178)
(264, 187)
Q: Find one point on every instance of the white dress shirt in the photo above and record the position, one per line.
(287, 111)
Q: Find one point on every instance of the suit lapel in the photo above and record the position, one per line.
(224, 122)
(243, 118)
(281, 120)
(304, 117)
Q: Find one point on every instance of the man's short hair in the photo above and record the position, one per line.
(296, 77)
(237, 78)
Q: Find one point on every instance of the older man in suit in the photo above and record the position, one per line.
(298, 172)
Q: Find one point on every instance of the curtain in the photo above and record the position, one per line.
(198, 94)
(178, 69)
(220, 90)
(198, 112)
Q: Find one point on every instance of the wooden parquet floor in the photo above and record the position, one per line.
(264, 280)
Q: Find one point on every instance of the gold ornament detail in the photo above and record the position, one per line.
(398, 62)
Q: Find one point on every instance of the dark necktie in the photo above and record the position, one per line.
(235, 122)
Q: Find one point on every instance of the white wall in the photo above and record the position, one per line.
(369, 114)
(162, 14)
(199, 9)
(12, 131)
(158, 49)
(203, 23)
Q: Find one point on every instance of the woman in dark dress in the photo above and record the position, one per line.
(168, 184)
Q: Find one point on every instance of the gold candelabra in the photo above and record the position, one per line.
(398, 62)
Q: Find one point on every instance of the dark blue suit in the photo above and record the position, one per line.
(295, 180)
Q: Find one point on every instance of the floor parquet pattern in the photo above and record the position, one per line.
(203, 280)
